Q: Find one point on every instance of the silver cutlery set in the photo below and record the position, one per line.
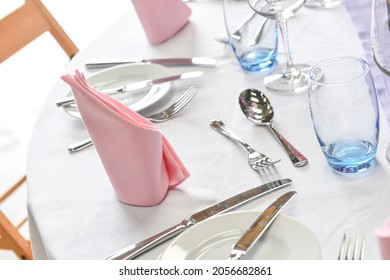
(137, 249)
(260, 113)
(132, 87)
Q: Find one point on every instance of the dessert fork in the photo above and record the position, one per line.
(352, 247)
(256, 160)
(163, 116)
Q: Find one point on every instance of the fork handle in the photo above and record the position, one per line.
(220, 127)
(295, 156)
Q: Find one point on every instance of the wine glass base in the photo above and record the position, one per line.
(322, 4)
(277, 82)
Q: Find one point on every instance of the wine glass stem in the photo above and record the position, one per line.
(290, 71)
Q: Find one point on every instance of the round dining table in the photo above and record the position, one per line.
(73, 211)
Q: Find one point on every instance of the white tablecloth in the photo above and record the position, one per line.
(73, 211)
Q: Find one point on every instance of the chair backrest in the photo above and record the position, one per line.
(25, 24)
(18, 29)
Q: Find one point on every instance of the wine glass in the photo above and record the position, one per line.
(380, 41)
(292, 79)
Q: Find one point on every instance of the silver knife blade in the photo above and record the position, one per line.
(194, 61)
(137, 249)
(259, 226)
(136, 86)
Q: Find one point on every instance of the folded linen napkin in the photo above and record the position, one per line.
(137, 157)
(383, 236)
(161, 19)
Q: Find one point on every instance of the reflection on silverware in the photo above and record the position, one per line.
(352, 247)
(236, 35)
(256, 160)
(136, 86)
(256, 40)
(223, 40)
(257, 108)
(259, 226)
(137, 249)
(165, 115)
(193, 61)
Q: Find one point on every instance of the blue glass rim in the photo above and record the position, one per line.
(317, 67)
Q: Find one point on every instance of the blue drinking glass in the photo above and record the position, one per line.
(345, 114)
(253, 38)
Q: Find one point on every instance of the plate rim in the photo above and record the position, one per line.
(139, 106)
(316, 248)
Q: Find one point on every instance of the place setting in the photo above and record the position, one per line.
(233, 153)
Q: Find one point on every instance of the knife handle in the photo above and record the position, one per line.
(69, 100)
(139, 248)
(81, 145)
(66, 101)
(92, 64)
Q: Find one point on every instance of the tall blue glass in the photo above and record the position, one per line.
(345, 114)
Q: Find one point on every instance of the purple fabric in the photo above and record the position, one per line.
(360, 12)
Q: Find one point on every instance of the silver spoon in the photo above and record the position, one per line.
(257, 108)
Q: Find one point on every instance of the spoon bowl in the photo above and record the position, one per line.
(256, 106)
(258, 109)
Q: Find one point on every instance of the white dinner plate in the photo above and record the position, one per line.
(213, 238)
(122, 74)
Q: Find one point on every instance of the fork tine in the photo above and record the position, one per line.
(358, 250)
(183, 97)
(266, 162)
(342, 248)
(183, 100)
(352, 247)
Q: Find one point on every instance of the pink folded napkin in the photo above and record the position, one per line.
(138, 159)
(383, 235)
(161, 19)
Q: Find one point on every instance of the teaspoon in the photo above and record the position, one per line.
(257, 108)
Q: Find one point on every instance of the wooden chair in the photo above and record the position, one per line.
(18, 29)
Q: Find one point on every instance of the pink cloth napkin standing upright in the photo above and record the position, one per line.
(161, 19)
(138, 159)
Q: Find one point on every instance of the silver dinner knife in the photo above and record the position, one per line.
(136, 86)
(259, 226)
(194, 61)
(137, 249)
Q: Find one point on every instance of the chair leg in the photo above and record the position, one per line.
(10, 238)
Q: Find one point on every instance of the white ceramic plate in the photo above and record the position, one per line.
(119, 75)
(213, 238)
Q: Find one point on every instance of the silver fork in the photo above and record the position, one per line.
(256, 160)
(352, 247)
(172, 110)
(163, 116)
